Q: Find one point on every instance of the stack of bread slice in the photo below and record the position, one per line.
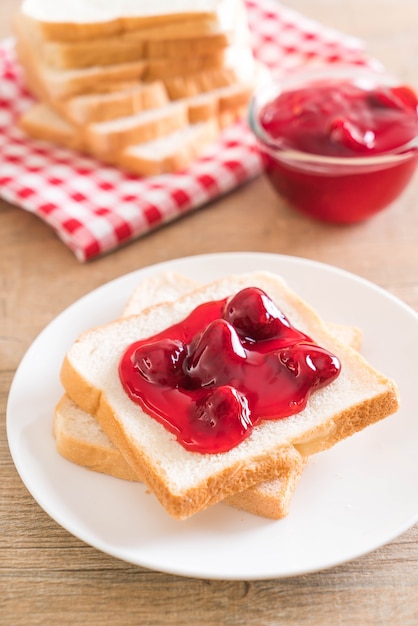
(141, 85)
(97, 426)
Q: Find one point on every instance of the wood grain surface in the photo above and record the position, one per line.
(48, 577)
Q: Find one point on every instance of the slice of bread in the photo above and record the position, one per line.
(124, 49)
(214, 103)
(161, 287)
(108, 139)
(80, 439)
(171, 153)
(144, 43)
(42, 122)
(55, 84)
(187, 482)
(195, 83)
(84, 19)
(159, 69)
(85, 109)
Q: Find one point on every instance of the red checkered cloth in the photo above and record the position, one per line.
(95, 208)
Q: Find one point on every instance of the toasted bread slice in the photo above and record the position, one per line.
(186, 482)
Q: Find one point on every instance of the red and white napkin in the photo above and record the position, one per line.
(95, 208)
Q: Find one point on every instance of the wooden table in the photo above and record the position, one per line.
(49, 577)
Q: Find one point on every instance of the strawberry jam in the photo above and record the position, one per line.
(337, 148)
(230, 364)
(342, 119)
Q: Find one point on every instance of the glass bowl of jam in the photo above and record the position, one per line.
(338, 143)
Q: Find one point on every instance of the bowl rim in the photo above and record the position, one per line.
(273, 88)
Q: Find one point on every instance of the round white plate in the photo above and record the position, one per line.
(351, 499)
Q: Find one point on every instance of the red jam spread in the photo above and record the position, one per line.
(231, 363)
(340, 119)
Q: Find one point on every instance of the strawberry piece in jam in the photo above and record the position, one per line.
(218, 351)
(223, 415)
(254, 315)
(230, 364)
(160, 362)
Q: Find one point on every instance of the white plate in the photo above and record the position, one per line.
(351, 499)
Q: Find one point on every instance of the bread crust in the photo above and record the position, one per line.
(270, 500)
(89, 108)
(168, 25)
(348, 422)
(90, 454)
(108, 51)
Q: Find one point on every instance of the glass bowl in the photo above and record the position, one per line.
(336, 188)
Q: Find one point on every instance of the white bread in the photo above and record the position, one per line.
(128, 140)
(195, 83)
(161, 287)
(108, 123)
(42, 122)
(56, 56)
(144, 44)
(89, 108)
(171, 153)
(85, 19)
(208, 52)
(159, 69)
(112, 136)
(107, 139)
(96, 76)
(85, 109)
(186, 482)
(58, 87)
(121, 50)
(51, 85)
(214, 103)
(127, 119)
(80, 439)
